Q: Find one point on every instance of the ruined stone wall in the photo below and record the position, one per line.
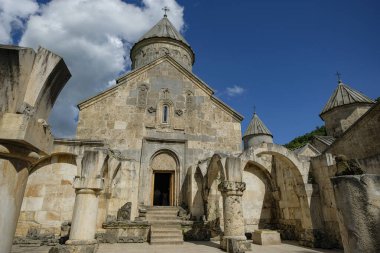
(323, 168)
(290, 214)
(129, 118)
(49, 198)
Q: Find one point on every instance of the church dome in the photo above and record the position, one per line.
(162, 39)
(344, 107)
(345, 95)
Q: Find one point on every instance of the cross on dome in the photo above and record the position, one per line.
(165, 9)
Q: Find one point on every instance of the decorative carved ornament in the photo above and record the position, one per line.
(178, 112)
(164, 162)
(165, 93)
(189, 100)
(27, 109)
(152, 109)
(230, 186)
(142, 96)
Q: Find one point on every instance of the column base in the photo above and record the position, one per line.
(76, 246)
(235, 244)
(266, 237)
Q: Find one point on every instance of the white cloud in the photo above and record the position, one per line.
(13, 15)
(234, 90)
(94, 38)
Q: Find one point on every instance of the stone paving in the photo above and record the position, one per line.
(187, 247)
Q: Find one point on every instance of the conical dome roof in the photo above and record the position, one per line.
(344, 95)
(257, 127)
(164, 29)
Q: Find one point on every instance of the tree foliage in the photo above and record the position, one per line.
(302, 140)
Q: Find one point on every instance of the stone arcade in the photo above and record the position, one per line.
(158, 158)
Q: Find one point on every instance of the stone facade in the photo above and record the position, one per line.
(131, 121)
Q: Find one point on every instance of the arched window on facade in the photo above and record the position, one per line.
(165, 114)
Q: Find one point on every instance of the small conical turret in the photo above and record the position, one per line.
(256, 133)
(344, 107)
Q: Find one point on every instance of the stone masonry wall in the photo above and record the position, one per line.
(362, 136)
(322, 170)
(49, 198)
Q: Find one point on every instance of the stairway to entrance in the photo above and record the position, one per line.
(165, 225)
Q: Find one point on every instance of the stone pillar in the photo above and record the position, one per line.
(232, 189)
(358, 203)
(232, 193)
(13, 179)
(83, 225)
(84, 215)
(87, 188)
(29, 85)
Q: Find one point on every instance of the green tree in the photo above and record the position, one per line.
(302, 140)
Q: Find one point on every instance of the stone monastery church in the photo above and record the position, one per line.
(158, 158)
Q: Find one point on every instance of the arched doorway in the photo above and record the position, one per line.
(164, 166)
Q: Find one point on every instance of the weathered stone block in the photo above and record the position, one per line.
(358, 203)
(266, 237)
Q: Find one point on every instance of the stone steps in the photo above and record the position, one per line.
(165, 225)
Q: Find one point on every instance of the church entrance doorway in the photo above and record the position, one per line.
(163, 188)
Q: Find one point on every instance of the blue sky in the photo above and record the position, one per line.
(285, 55)
(282, 54)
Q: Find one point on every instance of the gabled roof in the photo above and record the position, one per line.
(256, 127)
(202, 85)
(301, 150)
(328, 140)
(164, 29)
(344, 95)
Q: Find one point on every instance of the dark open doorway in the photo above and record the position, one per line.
(162, 189)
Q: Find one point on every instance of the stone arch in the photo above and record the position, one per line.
(290, 175)
(212, 197)
(164, 159)
(71, 159)
(49, 193)
(259, 205)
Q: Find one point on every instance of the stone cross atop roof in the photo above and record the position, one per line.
(257, 127)
(344, 95)
(164, 29)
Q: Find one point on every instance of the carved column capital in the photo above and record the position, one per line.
(231, 188)
(92, 184)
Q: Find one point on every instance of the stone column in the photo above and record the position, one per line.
(232, 189)
(83, 228)
(13, 179)
(358, 203)
(88, 185)
(232, 193)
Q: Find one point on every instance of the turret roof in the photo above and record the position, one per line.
(164, 29)
(344, 95)
(257, 127)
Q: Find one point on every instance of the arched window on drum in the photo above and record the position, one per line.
(165, 114)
